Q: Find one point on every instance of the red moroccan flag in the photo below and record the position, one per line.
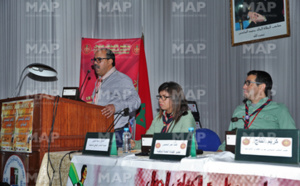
(145, 116)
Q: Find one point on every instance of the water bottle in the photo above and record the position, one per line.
(126, 140)
(193, 145)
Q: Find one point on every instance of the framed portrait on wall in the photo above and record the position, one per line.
(258, 20)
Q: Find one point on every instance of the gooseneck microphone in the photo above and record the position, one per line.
(124, 112)
(235, 119)
(80, 90)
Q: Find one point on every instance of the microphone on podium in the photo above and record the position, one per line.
(124, 112)
(80, 90)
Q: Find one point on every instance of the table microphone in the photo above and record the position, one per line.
(124, 112)
(235, 119)
(83, 83)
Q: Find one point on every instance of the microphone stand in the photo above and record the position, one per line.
(119, 115)
(83, 84)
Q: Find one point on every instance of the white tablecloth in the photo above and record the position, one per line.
(215, 169)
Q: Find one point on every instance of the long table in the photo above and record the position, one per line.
(208, 169)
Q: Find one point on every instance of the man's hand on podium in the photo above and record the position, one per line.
(108, 110)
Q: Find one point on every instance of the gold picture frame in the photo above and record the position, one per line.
(258, 20)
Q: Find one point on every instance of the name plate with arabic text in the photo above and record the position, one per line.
(170, 146)
(277, 145)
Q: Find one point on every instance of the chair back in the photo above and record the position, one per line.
(207, 140)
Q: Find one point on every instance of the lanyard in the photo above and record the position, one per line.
(97, 90)
(247, 117)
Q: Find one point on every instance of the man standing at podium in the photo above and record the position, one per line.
(259, 111)
(114, 90)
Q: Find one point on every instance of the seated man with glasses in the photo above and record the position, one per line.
(113, 90)
(259, 111)
(174, 115)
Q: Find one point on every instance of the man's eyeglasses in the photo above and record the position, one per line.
(98, 60)
(247, 82)
(162, 97)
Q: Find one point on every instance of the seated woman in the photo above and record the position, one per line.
(174, 114)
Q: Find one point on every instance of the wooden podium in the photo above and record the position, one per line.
(72, 121)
